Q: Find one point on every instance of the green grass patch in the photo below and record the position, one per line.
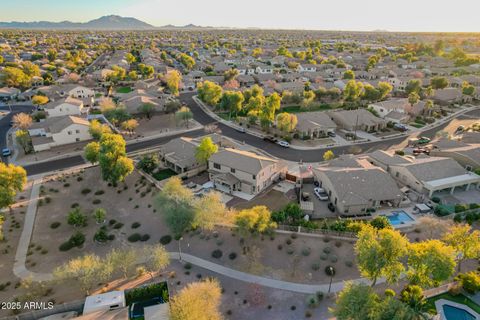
(416, 125)
(298, 109)
(164, 174)
(225, 116)
(430, 305)
(124, 90)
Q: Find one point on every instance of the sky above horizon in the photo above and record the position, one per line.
(366, 15)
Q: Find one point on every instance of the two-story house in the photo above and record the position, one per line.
(233, 170)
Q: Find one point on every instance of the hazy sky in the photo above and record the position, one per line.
(403, 15)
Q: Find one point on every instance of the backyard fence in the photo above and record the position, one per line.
(320, 232)
(74, 306)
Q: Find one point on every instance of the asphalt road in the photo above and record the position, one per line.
(5, 122)
(271, 148)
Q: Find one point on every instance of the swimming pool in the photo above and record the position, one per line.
(399, 217)
(454, 313)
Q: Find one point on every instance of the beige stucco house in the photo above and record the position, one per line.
(65, 107)
(237, 170)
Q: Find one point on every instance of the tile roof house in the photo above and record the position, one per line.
(467, 155)
(450, 96)
(314, 124)
(397, 110)
(360, 119)
(355, 186)
(234, 170)
(65, 107)
(58, 131)
(430, 174)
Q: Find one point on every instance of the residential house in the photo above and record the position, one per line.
(397, 110)
(58, 131)
(234, 170)
(467, 155)
(9, 93)
(65, 107)
(314, 125)
(428, 175)
(355, 186)
(449, 96)
(360, 119)
(264, 69)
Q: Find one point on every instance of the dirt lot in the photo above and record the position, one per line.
(272, 199)
(135, 204)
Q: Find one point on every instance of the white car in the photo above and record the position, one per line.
(284, 144)
(321, 194)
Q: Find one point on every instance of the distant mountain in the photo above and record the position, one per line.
(111, 22)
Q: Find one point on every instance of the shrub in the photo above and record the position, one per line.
(312, 301)
(338, 243)
(289, 241)
(232, 256)
(290, 251)
(306, 251)
(333, 258)
(188, 266)
(323, 256)
(118, 225)
(279, 247)
(66, 185)
(74, 205)
(99, 215)
(315, 266)
(470, 281)
(294, 236)
(461, 207)
(112, 222)
(96, 201)
(458, 217)
(99, 192)
(76, 240)
(349, 263)
(145, 237)
(136, 225)
(217, 254)
(319, 295)
(55, 225)
(134, 237)
(327, 250)
(86, 191)
(389, 293)
(77, 218)
(166, 239)
(101, 235)
(436, 199)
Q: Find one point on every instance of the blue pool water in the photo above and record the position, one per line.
(399, 217)
(453, 313)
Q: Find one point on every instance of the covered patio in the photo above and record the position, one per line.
(467, 181)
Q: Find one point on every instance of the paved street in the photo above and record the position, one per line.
(271, 148)
(5, 122)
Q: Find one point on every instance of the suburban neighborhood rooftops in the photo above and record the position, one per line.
(433, 168)
(242, 160)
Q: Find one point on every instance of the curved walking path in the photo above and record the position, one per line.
(21, 271)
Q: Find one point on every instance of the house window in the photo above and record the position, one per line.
(335, 200)
(396, 174)
(77, 131)
(254, 177)
(232, 170)
(217, 166)
(69, 132)
(77, 139)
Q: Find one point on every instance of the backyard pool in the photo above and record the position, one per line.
(399, 217)
(454, 313)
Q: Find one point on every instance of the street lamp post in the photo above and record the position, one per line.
(331, 273)
(180, 249)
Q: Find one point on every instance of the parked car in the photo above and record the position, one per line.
(321, 194)
(331, 134)
(6, 152)
(270, 139)
(284, 144)
(418, 151)
(400, 127)
(331, 207)
(240, 129)
(305, 196)
(424, 140)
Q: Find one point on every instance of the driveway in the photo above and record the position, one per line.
(320, 209)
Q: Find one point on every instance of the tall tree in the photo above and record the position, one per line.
(123, 260)
(232, 101)
(147, 110)
(12, 180)
(255, 220)
(173, 80)
(430, 263)
(464, 241)
(209, 210)
(328, 155)
(22, 121)
(356, 302)
(209, 92)
(379, 253)
(197, 301)
(97, 129)
(205, 150)
(112, 157)
(88, 271)
(184, 115)
(157, 258)
(286, 122)
(130, 125)
(39, 100)
(439, 82)
(24, 140)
